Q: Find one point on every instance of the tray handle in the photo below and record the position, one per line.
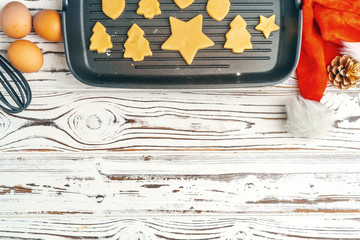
(65, 5)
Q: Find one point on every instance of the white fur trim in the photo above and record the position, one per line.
(307, 118)
(352, 49)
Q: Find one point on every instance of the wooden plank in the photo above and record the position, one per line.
(145, 184)
(141, 120)
(189, 228)
(36, 5)
(174, 164)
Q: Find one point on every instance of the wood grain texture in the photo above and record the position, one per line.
(83, 121)
(184, 228)
(99, 163)
(66, 115)
(157, 183)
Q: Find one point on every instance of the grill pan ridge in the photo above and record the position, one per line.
(270, 62)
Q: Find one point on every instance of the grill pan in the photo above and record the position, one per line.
(271, 60)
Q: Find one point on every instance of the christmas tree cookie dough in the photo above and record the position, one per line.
(113, 8)
(267, 25)
(218, 9)
(136, 46)
(187, 37)
(183, 3)
(149, 8)
(100, 40)
(238, 38)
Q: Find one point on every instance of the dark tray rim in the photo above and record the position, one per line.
(153, 85)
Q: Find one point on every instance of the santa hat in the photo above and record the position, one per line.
(330, 28)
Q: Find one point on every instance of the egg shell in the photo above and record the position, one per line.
(15, 20)
(25, 56)
(47, 24)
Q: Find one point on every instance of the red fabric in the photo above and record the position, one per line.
(326, 24)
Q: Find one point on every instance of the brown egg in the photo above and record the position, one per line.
(47, 24)
(25, 56)
(15, 20)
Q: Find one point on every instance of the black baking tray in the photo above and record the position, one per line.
(270, 62)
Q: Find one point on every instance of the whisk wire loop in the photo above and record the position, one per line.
(16, 87)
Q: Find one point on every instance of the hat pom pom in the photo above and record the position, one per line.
(307, 118)
(351, 49)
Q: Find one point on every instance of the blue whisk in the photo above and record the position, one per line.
(18, 95)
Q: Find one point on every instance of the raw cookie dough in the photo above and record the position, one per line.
(136, 46)
(238, 38)
(267, 25)
(187, 37)
(100, 40)
(218, 9)
(113, 8)
(183, 3)
(149, 8)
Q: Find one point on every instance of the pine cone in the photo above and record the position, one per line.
(344, 72)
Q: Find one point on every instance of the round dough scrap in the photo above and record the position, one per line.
(113, 8)
(218, 9)
(183, 3)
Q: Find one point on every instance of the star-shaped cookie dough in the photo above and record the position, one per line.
(267, 25)
(187, 38)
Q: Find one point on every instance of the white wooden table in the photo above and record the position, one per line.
(95, 163)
